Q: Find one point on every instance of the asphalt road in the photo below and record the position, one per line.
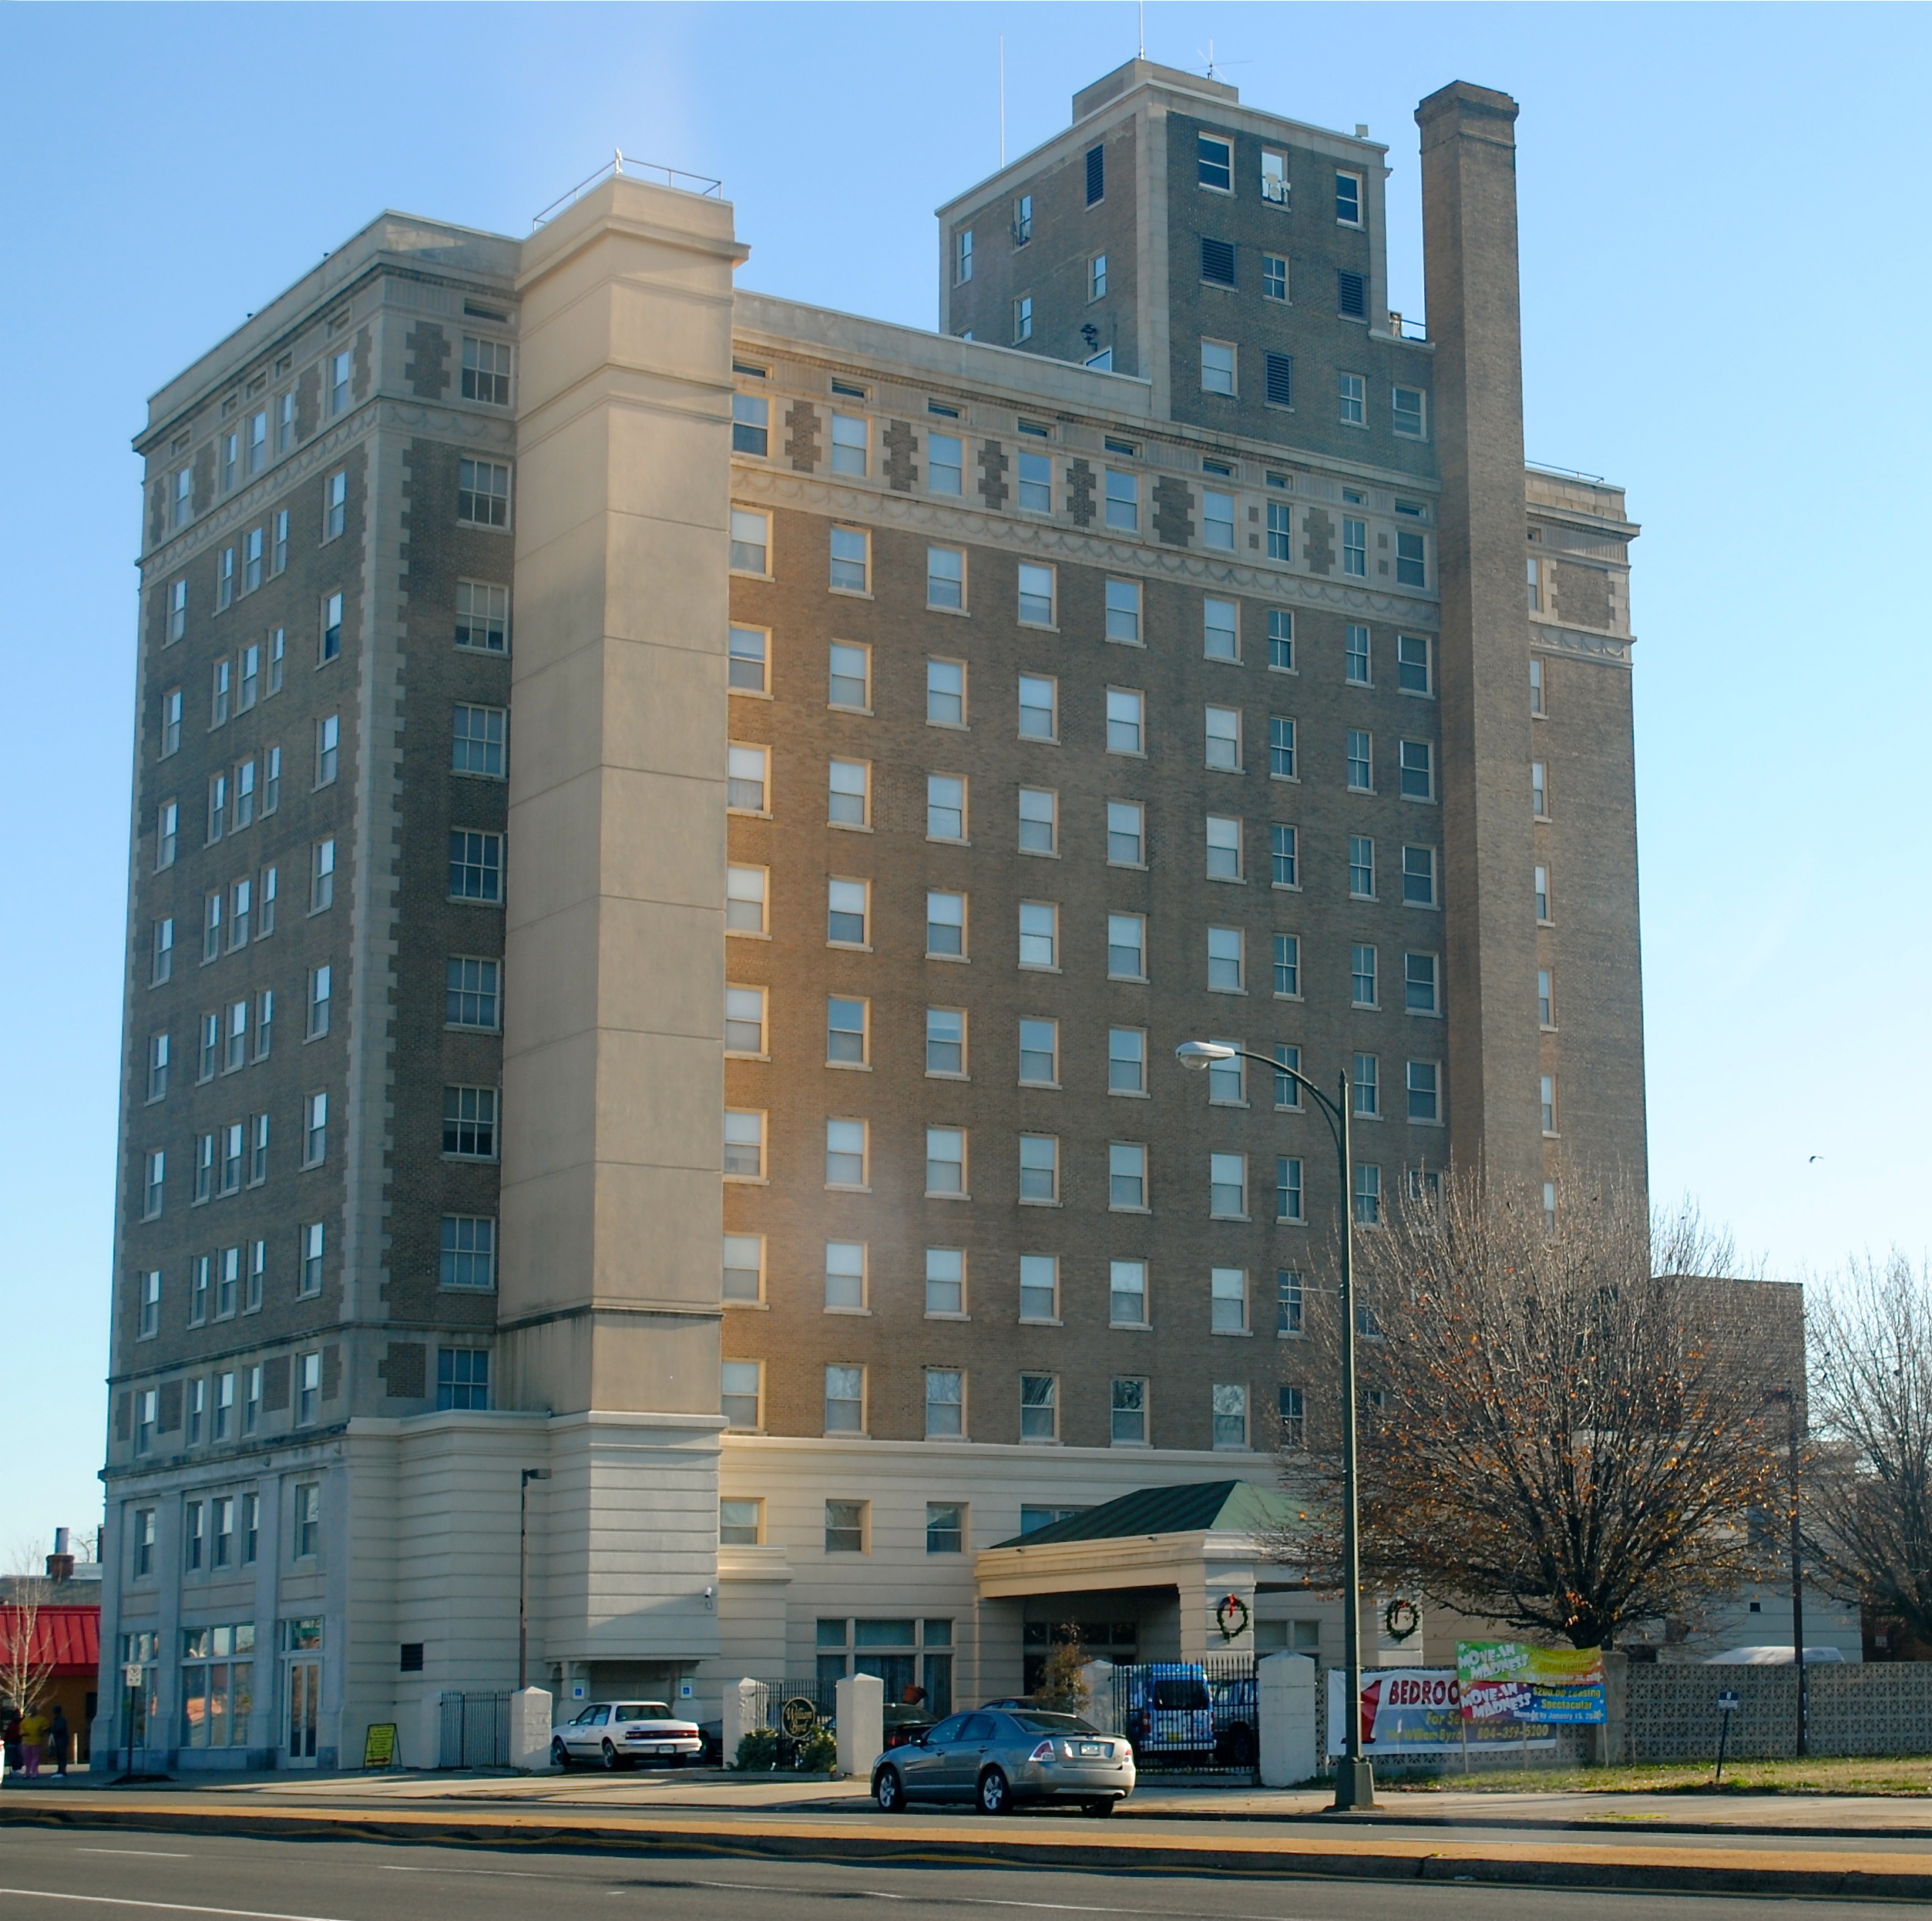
(104, 1876)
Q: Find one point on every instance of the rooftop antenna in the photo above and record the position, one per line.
(619, 162)
(1214, 70)
(1003, 100)
(1141, 52)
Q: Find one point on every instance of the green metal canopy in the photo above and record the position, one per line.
(1195, 1508)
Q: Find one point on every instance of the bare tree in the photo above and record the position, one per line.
(1869, 1511)
(26, 1664)
(1565, 1427)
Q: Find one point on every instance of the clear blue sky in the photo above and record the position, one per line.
(1725, 302)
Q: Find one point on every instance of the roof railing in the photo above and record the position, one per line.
(1565, 473)
(619, 163)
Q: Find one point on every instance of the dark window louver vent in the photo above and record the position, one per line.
(1218, 262)
(1351, 294)
(1096, 174)
(1281, 380)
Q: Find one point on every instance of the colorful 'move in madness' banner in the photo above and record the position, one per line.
(1418, 1710)
(1499, 1679)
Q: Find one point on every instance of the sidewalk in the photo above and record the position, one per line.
(1869, 1849)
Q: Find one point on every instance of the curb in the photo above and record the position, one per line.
(1869, 1877)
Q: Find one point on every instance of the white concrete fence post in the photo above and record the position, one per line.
(1284, 1687)
(530, 1730)
(744, 1702)
(861, 1708)
(1099, 1677)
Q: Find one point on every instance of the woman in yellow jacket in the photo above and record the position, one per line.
(33, 1735)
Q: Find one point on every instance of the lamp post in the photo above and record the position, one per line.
(523, 1573)
(1354, 1774)
(1789, 1396)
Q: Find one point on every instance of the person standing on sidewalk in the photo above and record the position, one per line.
(60, 1739)
(33, 1734)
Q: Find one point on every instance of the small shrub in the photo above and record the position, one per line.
(818, 1753)
(758, 1750)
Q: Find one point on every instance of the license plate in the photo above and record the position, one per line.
(1092, 1751)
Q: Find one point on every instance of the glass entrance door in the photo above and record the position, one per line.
(303, 1696)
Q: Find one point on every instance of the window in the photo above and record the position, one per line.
(1227, 1079)
(1288, 966)
(1023, 219)
(1424, 1097)
(851, 439)
(744, 1276)
(846, 1276)
(1217, 367)
(1036, 595)
(1220, 620)
(944, 463)
(1039, 1407)
(944, 577)
(1545, 998)
(1224, 960)
(1214, 163)
(1414, 665)
(739, 1523)
(852, 555)
(211, 1045)
(244, 803)
(258, 1154)
(750, 541)
(335, 505)
(1418, 877)
(170, 722)
(224, 1430)
(1022, 318)
(1228, 1290)
(1227, 1187)
(1129, 1412)
(225, 580)
(251, 560)
(158, 1052)
(1411, 564)
(744, 893)
(149, 1322)
(483, 493)
(1287, 1188)
(849, 793)
(1364, 1079)
(849, 682)
(1542, 890)
(1038, 821)
(251, 1413)
(478, 735)
(265, 1021)
(845, 1414)
(1216, 261)
(470, 1123)
(945, 1404)
(1536, 682)
(945, 925)
(1407, 406)
(749, 656)
(945, 807)
(1539, 790)
(1419, 984)
(1127, 1060)
(1223, 739)
(750, 424)
(1040, 1169)
(1127, 1293)
(1039, 1053)
(1361, 866)
(962, 256)
(946, 1039)
(845, 1520)
(1123, 611)
(1281, 748)
(1038, 934)
(740, 1392)
(1362, 976)
(472, 993)
(217, 821)
(1122, 501)
(1223, 847)
(845, 1153)
(1546, 1099)
(744, 1144)
(1368, 1196)
(476, 864)
(1417, 759)
(945, 1169)
(277, 654)
(1354, 547)
(748, 779)
(846, 1031)
(1350, 391)
(468, 1251)
(1230, 1416)
(744, 1021)
(167, 828)
(319, 1008)
(1096, 174)
(328, 743)
(315, 1129)
(1096, 278)
(1127, 941)
(462, 1378)
(1126, 1174)
(1035, 483)
(1126, 834)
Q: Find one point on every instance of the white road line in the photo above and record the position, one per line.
(166, 1907)
(145, 1854)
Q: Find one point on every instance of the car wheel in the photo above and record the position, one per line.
(995, 1796)
(559, 1756)
(889, 1791)
(612, 1760)
(1101, 1808)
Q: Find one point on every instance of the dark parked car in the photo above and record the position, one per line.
(905, 1723)
(996, 1758)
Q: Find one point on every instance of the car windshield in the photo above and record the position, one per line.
(644, 1710)
(1190, 1696)
(1036, 1722)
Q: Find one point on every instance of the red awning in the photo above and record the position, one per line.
(69, 1637)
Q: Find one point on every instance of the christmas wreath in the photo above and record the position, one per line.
(1231, 1616)
(1401, 1618)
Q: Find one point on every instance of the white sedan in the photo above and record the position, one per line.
(620, 1734)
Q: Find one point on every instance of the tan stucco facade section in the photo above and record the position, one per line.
(613, 1022)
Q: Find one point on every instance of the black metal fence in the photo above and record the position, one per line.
(1184, 1717)
(475, 1732)
(795, 1710)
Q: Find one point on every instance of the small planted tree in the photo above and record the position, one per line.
(26, 1664)
(1063, 1682)
(1564, 1425)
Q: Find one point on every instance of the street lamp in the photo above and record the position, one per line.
(1789, 1395)
(1354, 1775)
(523, 1573)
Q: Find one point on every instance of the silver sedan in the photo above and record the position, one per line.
(996, 1758)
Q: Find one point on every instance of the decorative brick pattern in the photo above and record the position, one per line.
(1583, 595)
(1318, 544)
(169, 1419)
(801, 437)
(123, 1415)
(1883, 1707)
(1173, 523)
(331, 1371)
(428, 372)
(993, 464)
(274, 1383)
(901, 470)
(405, 1370)
(308, 401)
(204, 477)
(360, 367)
(1080, 493)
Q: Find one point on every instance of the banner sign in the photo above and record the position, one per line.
(1540, 1685)
(379, 1745)
(1418, 1710)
